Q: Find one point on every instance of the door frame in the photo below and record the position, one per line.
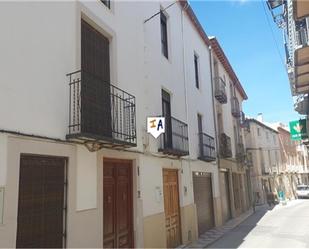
(65, 191)
(229, 199)
(179, 208)
(210, 175)
(119, 160)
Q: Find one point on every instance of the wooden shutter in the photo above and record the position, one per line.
(96, 91)
(40, 220)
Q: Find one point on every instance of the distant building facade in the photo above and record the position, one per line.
(263, 150)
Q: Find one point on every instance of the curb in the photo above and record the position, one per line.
(222, 230)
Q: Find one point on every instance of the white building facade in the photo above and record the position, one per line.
(79, 80)
(263, 149)
(234, 174)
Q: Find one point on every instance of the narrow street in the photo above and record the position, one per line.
(282, 226)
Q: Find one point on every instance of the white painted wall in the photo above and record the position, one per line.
(199, 99)
(40, 44)
(3, 159)
(228, 120)
(86, 179)
(37, 50)
(260, 145)
(34, 78)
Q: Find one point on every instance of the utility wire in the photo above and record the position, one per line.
(273, 36)
(160, 11)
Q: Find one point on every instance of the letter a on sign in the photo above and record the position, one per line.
(155, 126)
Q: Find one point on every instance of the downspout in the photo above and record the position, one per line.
(183, 61)
(215, 121)
(213, 108)
(184, 82)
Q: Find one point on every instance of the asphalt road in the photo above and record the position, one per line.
(279, 227)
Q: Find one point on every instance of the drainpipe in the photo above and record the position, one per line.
(183, 61)
(186, 98)
(215, 126)
(214, 108)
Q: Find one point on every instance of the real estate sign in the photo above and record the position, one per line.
(298, 129)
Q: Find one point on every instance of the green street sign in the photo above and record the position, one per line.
(298, 129)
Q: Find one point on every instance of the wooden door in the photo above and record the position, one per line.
(171, 207)
(95, 87)
(117, 204)
(225, 196)
(41, 205)
(204, 201)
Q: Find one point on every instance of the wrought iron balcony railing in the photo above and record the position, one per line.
(207, 147)
(243, 123)
(249, 162)
(301, 33)
(225, 146)
(100, 112)
(175, 140)
(235, 107)
(301, 104)
(265, 169)
(240, 153)
(249, 159)
(220, 92)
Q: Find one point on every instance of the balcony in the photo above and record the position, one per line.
(225, 146)
(301, 9)
(243, 123)
(240, 153)
(220, 92)
(207, 148)
(274, 169)
(299, 56)
(175, 140)
(249, 161)
(301, 104)
(265, 170)
(235, 107)
(100, 112)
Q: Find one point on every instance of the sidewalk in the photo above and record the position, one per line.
(214, 234)
(288, 203)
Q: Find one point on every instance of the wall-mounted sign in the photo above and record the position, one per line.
(1, 204)
(155, 126)
(298, 129)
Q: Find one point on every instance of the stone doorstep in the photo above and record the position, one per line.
(216, 233)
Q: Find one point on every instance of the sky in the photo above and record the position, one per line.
(242, 29)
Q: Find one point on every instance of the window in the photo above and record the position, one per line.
(267, 137)
(231, 90)
(164, 44)
(258, 131)
(196, 62)
(249, 157)
(166, 112)
(199, 123)
(107, 3)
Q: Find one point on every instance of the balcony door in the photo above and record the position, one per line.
(200, 131)
(95, 88)
(166, 111)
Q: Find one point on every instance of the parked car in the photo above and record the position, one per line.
(302, 191)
